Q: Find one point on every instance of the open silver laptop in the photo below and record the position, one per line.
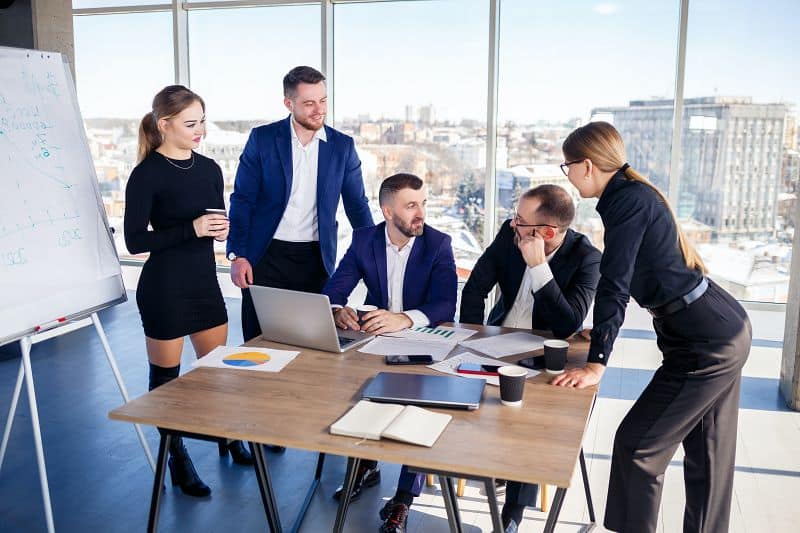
(301, 319)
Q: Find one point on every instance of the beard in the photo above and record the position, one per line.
(408, 229)
(309, 125)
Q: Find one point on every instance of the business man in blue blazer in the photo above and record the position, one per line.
(407, 266)
(283, 207)
(410, 275)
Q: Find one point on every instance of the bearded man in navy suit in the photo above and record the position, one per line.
(410, 275)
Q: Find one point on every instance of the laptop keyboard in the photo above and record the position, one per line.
(344, 341)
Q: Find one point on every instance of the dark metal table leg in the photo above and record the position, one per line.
(494, 509)
(158, 481)
(587, 489)
(555, 509)
(309, 494)
(265, 486)
(349, 483)
(451, 504)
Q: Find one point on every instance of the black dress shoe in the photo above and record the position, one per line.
(182, 472)
(239, 454)
(366, 477)
(275, 449)
(394, 516)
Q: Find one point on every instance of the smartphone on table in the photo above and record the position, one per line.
(409, 359)
(535, 363)
(475, 368)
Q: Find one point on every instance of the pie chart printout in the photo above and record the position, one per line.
(246, 359)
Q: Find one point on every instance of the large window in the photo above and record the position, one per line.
(118, 71)
(237, 59)
(740, 162)
(563, 65)
(411, 82)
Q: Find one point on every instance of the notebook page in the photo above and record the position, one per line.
(417, 426)
(366, 420)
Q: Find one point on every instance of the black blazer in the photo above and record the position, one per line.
(560, 306)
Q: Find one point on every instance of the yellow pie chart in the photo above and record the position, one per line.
(246, 359)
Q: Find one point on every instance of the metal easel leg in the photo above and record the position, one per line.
(25, 342)
(11, 412)
(121, 384)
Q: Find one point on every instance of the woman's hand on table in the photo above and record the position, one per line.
(580, 378)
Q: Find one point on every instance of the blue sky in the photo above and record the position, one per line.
(557, 59)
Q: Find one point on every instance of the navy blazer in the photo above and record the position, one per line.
(559, 306)
(264, 182)
(430, 282)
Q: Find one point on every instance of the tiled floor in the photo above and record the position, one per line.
(100, 481)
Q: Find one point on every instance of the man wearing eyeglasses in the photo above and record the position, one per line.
(547, 274)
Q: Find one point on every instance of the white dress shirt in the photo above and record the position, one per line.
(396, 261)
(521, 313)
(299, 221)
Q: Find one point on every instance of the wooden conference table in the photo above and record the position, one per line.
(537, 443)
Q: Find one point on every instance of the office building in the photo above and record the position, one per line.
(732, 150)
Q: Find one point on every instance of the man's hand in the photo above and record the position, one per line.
(532, 248)
(241, 272)
(382, 321)
(346, 318)
(580, 377)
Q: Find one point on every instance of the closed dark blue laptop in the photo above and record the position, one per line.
(422, 389)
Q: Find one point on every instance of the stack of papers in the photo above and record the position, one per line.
(370, 420)
(436, 342)
(398, 346)
(246, 358)
(450, 366)
(508, 344)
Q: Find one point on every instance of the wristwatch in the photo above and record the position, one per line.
(232, 257)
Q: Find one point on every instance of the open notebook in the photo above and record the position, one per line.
(406, 423)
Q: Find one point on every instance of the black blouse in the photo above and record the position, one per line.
(642, 258)
(169, 199)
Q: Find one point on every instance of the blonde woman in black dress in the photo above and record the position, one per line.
(178, 293)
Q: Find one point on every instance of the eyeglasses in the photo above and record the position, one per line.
(565, 166)
(519, 224)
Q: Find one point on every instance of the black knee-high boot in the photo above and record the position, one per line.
(180, 464)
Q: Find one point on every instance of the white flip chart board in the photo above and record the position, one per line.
(57, 254)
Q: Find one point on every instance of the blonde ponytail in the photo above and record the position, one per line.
(690, 255)
(602, 143)
(149, 137)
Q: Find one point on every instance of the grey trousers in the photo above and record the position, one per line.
(693, 400)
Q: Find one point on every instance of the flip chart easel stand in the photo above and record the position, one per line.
(25, 373)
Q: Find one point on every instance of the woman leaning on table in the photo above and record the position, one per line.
(178, 293)
(703, 333)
